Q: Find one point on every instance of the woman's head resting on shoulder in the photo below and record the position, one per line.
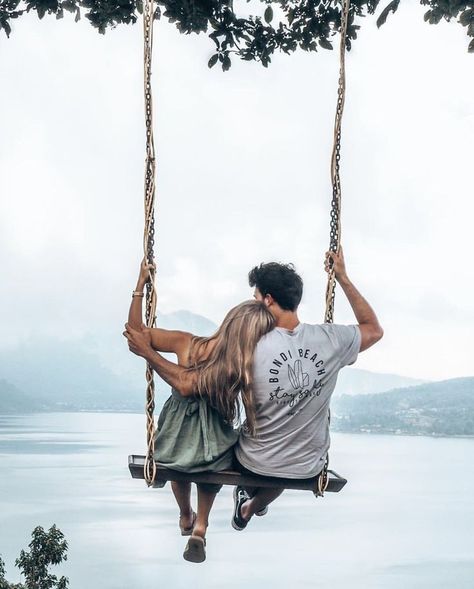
(226, 371)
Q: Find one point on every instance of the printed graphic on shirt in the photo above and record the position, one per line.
(291, 378)
(297, 377)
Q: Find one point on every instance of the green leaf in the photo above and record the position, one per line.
(212, 62)
(226, 63)
(6, 26)
(41, 10)
(392, 7)
(268, 16)
(325, 44)
(466, 17)
(140, 6)
(433, 16)
(471, 46)
(78, 15)
(68, 5)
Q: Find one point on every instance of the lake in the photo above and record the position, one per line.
(405, 519)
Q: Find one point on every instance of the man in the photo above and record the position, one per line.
(295, 372)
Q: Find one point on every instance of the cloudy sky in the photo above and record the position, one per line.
(243, 177)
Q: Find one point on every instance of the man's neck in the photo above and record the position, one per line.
(287, 320)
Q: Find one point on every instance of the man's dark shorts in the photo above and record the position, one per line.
(242, 469)
(209, 487)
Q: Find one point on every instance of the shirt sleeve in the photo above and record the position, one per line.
(346, 340)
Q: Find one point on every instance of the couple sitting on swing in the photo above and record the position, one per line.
(282, 371)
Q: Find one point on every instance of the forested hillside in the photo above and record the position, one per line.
(439, 408)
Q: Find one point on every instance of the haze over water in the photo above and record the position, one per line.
(404, 520)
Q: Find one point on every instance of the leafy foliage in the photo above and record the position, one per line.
(3, 582)
(285, 25)
(46, 549)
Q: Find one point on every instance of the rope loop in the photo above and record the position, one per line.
(323, 479)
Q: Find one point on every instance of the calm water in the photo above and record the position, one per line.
(404, 521)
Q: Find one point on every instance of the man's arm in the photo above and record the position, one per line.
(181, 379)
(370, 329)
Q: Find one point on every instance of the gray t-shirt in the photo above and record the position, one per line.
(294, 376)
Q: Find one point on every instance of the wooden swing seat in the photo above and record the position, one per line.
(229, 477)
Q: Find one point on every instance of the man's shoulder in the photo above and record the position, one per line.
(329, 328)
(276, 336)
(318, 331)
(331, 334)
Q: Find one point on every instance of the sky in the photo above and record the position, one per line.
(242, 177)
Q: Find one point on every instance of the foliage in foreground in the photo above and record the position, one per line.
(45, 549)
(283, 25)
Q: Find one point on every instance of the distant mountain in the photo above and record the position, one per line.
(353, 381)
(439, 408)
(12, 400)
(186, 321)
(111, 347)
(96, 372)
(65, 375)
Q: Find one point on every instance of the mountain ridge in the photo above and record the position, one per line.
(98, 373)
(437, 408)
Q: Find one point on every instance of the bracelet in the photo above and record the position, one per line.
(137, 293)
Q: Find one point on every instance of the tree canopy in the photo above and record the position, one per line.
(283, 25)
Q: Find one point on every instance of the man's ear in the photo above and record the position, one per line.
(269, 300)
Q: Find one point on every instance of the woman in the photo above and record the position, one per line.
(196, 433)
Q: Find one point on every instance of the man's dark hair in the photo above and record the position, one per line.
(280, 281)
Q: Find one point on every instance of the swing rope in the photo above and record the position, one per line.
(149, 233)
(149, 228)
(335, 223)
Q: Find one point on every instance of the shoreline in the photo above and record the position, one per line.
(333, 431)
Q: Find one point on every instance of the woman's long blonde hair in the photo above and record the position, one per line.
(226, 372)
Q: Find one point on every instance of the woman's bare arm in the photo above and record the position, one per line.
(162, 340)
(139, 342)
(135, 318)
(177, 342)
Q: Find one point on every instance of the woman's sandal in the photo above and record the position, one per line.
(187, 531)
(195, 550)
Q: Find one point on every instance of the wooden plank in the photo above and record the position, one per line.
(229, 477)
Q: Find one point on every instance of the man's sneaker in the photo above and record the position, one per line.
(262, 512)
(240, 497)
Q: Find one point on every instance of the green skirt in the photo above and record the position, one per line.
(191, 436)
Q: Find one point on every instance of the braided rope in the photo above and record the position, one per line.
(335, 223)
(149, 232)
